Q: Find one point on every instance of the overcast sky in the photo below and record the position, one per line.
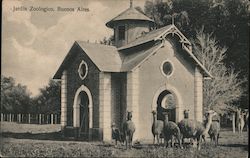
(34, 43)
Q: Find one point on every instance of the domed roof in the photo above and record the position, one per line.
(129, 14)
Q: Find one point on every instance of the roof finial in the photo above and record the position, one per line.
(172, 19)
(131, 3)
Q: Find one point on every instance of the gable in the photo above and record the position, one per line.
(161, 35)
(106, 58)
(129, 57)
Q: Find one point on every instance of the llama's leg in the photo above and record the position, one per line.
(217, 139)
(157, 136)
(172, 141)
(204, 138)
(154, 140)
(199, 142)
(239, 128)
(131, 140)
(126, 142)
(179, 141)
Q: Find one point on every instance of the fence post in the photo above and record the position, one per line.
(12, 117)
(40, 118)
(233, 122)
(55, 118)
(29, 118)
(18, 118)
(2, 117)
(52, 121)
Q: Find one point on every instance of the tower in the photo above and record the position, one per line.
(129, 25)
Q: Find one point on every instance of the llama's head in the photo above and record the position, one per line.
(129, 116)
(210, 113)
(154, 112)
(113, 125)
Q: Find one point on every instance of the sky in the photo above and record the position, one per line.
(34, 42)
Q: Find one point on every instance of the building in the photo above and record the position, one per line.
(146, 69)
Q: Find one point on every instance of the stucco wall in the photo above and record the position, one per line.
(74, 82)
(151, 80)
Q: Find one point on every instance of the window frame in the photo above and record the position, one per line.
(79, 69)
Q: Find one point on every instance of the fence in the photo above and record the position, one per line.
(31, 118)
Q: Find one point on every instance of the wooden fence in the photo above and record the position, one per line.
(31, 118)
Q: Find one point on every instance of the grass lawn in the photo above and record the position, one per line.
(14, 143)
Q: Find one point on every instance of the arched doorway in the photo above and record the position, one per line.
(84, 115)
(83, 111)
(159, 99)
(166, 102)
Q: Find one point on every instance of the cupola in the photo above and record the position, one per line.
(129, 25)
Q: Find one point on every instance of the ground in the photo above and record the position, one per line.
(45, 141)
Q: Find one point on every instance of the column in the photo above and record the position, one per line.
(133, 99)
(64, 99)
(52, 119)
(105, 104)
(198, 95)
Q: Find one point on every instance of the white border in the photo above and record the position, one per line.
(79, 69)
(163, 71)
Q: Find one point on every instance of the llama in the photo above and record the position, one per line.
(240, 120)
(171, 131)
(214, 131)
(247, 121)
(195, 129)
(116, 134)
(157, 128)
(128, 130)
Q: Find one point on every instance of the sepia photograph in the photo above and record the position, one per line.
(125, 78)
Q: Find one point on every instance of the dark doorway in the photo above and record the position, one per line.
(166, 103)
(84, 116)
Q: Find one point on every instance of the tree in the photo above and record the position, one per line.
(107, 41)
(15, 98)
(49, 100)
(163, 13)
(225, 88)
(227, 19)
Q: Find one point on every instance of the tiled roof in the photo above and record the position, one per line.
(110, 59)
(132, 60)
(150, 36)
(129, 14)
(106, 57)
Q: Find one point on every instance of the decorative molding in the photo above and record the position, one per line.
(64, 99)
(79, 69)
(76, 107)
(161, 68)
(178, 99)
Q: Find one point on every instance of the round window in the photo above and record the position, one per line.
(167, 68)
(83, 70)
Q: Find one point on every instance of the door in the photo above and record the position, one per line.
(84, 115)
(166, 103)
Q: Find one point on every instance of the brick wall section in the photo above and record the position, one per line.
(198, 95)
(74, 82)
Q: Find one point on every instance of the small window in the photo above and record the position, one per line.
(83, 70)
(121, 32)
(167, 68)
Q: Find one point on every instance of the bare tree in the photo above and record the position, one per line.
(225, 88)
